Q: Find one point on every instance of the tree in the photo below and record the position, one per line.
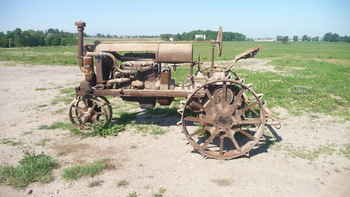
(295, 38)
(3, 40)
(165, 36)
(315, 39)
(178, 37)
(285, 39)
(331, 37)
(345, 38)
(306, 38)
(20, 38)
(210, 35)
(279, 38)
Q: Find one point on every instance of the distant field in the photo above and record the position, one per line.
(53, 55)
(65, 55)
(311, 77)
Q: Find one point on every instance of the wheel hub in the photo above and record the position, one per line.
(224, 120)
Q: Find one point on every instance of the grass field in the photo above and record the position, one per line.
(314, 77)
(66, 55)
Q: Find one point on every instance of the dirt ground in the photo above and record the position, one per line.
(149, 163)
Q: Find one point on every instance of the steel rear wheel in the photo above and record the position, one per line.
(223, 119)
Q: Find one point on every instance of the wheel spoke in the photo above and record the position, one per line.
(208, 140)
(197, 131)
(247, 134)
(238, 97)
(195, 119)
(250, 121)
(234, 141)
(225, 89)
(209, 95)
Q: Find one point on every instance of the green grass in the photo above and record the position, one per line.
(65, 96)
(60, 125)
(317, 87)
(60, 55)
(32, 168)
(160, 193)
(124, 121)
(66, 55)
(10, 141)
(164, 111)
(308, 154)
(132, 194)
(110, 130)
(127, 121)
(94, 130)
(180, 75)
(41, 89)
(145, 129)
(91, 169)
(346, 151)
(323, 50)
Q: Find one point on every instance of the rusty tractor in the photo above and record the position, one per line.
(222, 116)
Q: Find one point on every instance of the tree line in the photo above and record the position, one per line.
(55, 37)
(328, 37)
(99, 35)
(209, 35)
(30, 38)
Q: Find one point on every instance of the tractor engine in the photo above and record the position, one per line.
(130, 66)
(107, 66)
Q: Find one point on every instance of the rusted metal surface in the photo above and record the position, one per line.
(247, 54)
(222, 117)
(223, 120)
(175, 53)
(142, 93)
(80, 26)
(88, 68)
(165, 78)
(165, 53)
(136, 47)
(90, 110)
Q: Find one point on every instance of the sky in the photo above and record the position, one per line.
(254, 18)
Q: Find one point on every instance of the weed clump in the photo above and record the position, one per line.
(91, 169)
(32, 168)
(123, 183)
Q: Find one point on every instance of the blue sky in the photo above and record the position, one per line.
(255, 18)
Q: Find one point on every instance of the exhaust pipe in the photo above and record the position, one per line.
(80, 26)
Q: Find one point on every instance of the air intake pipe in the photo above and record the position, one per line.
(80, 26)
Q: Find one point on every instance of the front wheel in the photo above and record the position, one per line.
(88, 110)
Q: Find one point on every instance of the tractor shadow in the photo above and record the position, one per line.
(158, 116)
(170, 117)
(268, 142)
(263, 146)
